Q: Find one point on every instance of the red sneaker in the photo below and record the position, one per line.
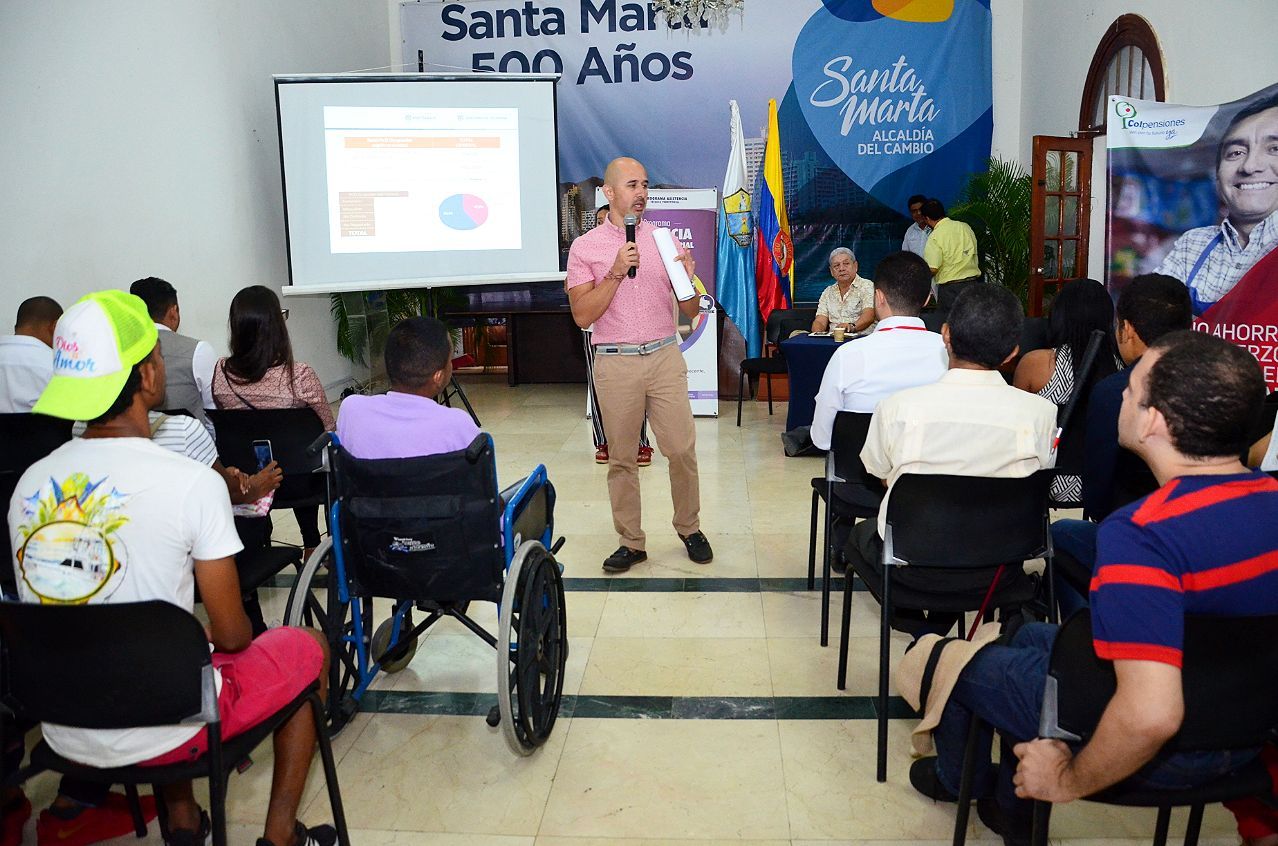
(16, 814)
(645, 456)
(601, 455)
(91, 825)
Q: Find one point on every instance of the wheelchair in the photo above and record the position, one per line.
(434, 534)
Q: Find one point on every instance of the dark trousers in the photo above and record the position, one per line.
(946, 294)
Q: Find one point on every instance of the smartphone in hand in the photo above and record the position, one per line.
(262, 453)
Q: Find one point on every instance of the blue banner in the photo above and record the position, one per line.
(879, 99)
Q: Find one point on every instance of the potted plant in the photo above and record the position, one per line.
(996, 204)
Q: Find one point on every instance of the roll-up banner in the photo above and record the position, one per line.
(1193, 193)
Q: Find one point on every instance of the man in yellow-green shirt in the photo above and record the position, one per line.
(950, 254)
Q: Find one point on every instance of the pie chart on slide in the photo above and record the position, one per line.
(463, 211)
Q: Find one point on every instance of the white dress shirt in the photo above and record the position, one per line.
(969, 423)
(26, 365)
(915, 239)
(900, 353)
(203, 360)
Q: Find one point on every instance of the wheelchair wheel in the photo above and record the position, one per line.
(313, 602)
(532, 647)
(381, 643)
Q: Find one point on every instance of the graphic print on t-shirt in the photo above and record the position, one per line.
(69, 548)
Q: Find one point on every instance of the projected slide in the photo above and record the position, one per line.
(403, 180)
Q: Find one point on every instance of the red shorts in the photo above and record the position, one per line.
(256, 683)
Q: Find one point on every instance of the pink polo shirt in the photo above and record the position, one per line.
(642, 310)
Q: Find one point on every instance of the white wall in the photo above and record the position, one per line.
(140, 140)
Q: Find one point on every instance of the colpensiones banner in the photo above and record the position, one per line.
(880, 99)
(1194, 194)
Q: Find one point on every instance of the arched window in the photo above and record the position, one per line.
(1128, 63)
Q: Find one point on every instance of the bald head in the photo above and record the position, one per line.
(626, 187)
(37, 317)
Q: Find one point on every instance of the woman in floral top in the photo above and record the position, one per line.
(260, 373)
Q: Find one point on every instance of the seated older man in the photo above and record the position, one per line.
(849, 302)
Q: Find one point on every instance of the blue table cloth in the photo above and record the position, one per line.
(805, 359)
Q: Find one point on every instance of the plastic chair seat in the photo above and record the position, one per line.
(256, 568)
(1251, 779)
(850, 500)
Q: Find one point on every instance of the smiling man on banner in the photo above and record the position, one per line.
(775, 258)
(735, 282)
(1211, 260)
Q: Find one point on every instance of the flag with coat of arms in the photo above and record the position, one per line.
(736, 260)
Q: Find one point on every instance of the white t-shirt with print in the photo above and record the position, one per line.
(117, 520)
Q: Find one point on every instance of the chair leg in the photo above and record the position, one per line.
(1194, 825)
(135, 809)
(740, 396)
(1042, 822)
(769, 375)
(845, 627)
(1049, 573)
(816, 497)
(885, 634)
(965, 784)
(1162, 827)
(330, 771)
(217, 785)
(825, 575)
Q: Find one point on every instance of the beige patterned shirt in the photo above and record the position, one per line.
(846, 308)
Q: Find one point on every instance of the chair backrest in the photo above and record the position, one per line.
(291, 431)
(26, 438)
(968, 521)
(1229, 678)
(125, 665)
(846, 441)
(772, 329)
(422, 528)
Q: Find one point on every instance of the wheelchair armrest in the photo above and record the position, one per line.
(512, 506)
(481, 442)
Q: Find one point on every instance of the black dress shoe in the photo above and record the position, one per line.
(1015, 829)
(698, 547)
(623, 559)
(924, 779)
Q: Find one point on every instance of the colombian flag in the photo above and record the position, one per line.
(775, 257)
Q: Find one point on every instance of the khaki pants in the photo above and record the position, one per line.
(629, 385)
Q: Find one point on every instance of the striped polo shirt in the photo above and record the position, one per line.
(1198, 545)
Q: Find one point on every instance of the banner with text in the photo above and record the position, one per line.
(879, 100)
(1194, 194)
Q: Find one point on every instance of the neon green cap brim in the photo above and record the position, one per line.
(72, 398)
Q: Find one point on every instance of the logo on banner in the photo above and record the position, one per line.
(881, 92)
(736, 207)
(1124, 109)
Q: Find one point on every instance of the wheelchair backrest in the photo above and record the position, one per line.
(421, 528)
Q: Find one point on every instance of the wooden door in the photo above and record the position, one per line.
(1060, 212)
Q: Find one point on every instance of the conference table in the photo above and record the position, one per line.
(805, 359)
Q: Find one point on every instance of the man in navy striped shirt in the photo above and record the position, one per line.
(1206, 542)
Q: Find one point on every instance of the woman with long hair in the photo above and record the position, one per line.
(260, 373)
(1081, 307)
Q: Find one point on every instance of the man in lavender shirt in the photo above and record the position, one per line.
(408, 422)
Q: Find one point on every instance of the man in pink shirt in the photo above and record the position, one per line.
(638, 366)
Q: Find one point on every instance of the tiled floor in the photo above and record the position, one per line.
(697, 710)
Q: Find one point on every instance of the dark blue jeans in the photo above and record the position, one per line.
(1003, 685)
(1078, 538)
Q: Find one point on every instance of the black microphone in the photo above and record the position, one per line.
(631, 220)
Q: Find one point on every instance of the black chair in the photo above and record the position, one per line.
(114, 672)
(305, 485)
(955, 523)
(849, 493)
(771, 363)
(27, 438)
(1265, 423)
(1231, 703)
